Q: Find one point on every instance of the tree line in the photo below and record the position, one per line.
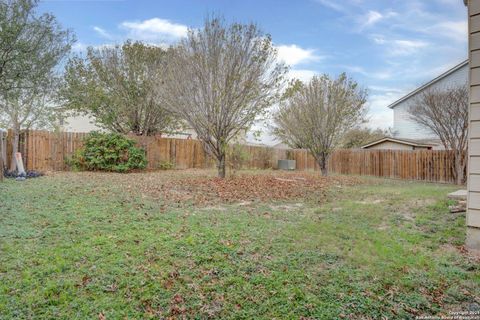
(218, 80)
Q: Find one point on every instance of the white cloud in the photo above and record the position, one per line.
(378, 39)
(385, 89)
(399, 47)
(381, 119)
(293, 55)
(103, 33)
(372, 17)
(303, 75)
(380, 116)
(455, 30)
(79, 47)
(381, 75)
(332, 4)
(154, 29)
(406, 47)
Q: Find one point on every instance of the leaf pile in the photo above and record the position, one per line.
(258, 187)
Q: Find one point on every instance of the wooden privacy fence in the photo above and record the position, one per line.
(48, 151)
(425, 165)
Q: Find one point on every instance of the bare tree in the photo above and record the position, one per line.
(445, 113)
(115, 85)
(219, 79)
(316, 116)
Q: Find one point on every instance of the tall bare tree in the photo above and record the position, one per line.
(316, 115)
(220, 79)
(445, 113)
(31, 47)
(115, 85)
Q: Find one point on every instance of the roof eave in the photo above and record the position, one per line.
(408, 143)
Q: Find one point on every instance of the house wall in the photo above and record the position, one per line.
(241, 138)
(473, 197)
(404, 127)
(80, 123)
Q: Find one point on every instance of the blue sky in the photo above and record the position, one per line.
(389, 46)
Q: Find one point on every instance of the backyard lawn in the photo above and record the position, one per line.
(181, 244)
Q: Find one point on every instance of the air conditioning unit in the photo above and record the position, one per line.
(287, 164)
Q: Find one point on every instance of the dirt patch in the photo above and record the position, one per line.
(370, 201)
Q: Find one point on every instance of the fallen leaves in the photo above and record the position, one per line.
(262, 187)
(202, 188)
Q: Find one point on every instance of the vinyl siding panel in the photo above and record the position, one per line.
(475, 41)
(474, 147)
(474, 166)
(475, 59)
(405, 127)
(475, 129)
(474, 8)
(475, 76)
(475, 183)
(475, 112)
(473, 218)
(475, 23)
(474, 200)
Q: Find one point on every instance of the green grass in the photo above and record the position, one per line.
(86, 248)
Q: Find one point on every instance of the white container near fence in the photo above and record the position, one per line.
(287, 164)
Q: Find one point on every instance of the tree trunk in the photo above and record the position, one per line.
(15, 143)
(322, 160)
(221, 166)
(1, 163)
(324, 170)
(459, 168)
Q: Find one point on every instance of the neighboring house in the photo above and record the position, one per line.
(189, 133)
(79, 123)
(84, 123)
(281, 145)
(186, 133)
(401, 144)
(403, 126)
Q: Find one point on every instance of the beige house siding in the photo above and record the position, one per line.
(473, 200)
(80, 123)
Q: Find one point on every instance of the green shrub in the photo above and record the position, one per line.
(76, 162)
(108, 152)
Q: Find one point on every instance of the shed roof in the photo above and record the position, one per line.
(409, 142)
